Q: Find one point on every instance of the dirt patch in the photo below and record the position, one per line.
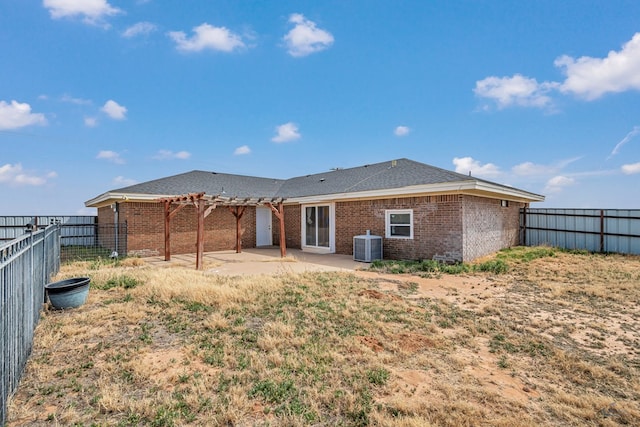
(464, 290)
(372, 293)
(372, 343)
(411, 342)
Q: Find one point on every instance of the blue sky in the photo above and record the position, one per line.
(99, 94)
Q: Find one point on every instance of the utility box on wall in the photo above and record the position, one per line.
(367, 248)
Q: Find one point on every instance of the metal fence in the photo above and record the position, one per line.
(81, 237)
(76, 230)
(107, 241)
(27, 263)
(594, 230)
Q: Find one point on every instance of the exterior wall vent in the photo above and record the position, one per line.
(367, 248)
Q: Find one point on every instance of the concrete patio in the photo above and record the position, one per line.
(261, 261)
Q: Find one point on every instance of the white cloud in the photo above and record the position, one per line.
(591, 78)
(139, 29)
(466, 165)
(124, 182)
(92, 11)
(631, 169)
(594, 173)
(90, 122)
(244, 149)
(557, 183)
(170, 155)
(532, 169)
(111, 156)
(77, 101)
(15, 175)
(401, 131)
(286, 132)
(207, 37)
(114, 110)
(587, 77)
(305, 38)
(515, 91)
(635, 131)
(17, 115)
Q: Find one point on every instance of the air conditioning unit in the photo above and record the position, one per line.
(367, 248)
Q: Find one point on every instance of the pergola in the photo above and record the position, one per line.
(205, 204)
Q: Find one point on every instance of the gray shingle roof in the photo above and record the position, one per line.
(211, 183)
(379, 176)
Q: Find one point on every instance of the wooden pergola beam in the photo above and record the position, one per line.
(198, 199)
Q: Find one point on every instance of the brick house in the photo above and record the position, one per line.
(421, 212)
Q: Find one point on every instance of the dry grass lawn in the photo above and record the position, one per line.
(553, 341)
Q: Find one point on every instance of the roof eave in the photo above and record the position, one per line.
(108, 198)
(510, 193)
(472, 187)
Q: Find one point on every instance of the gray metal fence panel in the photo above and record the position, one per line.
(76, 230)
(595, 230)
(26, 264)
(625, 226)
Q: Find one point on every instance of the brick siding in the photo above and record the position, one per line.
(446, 227)
(145, 228)
(488, 226)
(292, 227)
(437, 226)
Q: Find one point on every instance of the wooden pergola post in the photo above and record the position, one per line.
(167, 230)
(238, 211)
(202, 214)
(168, 214)
(237, 208)
(279, 213)
(200, 234)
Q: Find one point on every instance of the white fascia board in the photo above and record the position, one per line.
(108, 198)
(460, 187)
(509, 192)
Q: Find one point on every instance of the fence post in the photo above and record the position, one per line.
(601, 230)
(44, 263)
(31, 267)
(524, 226)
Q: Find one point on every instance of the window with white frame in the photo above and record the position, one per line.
(399, 223)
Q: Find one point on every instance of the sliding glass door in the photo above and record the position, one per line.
(317, 226)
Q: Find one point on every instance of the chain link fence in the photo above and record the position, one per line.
(95, 241)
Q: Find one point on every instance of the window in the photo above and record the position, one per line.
(399, 223)
(504, 203)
